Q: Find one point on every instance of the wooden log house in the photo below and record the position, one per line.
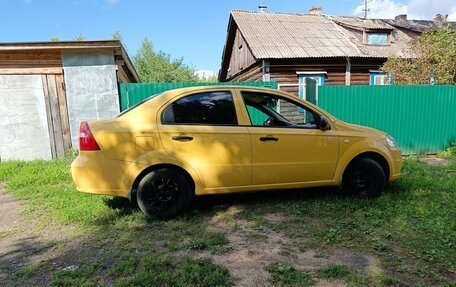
(333, 50)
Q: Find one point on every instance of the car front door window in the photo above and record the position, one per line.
(278, 112)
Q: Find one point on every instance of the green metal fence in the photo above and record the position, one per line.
(421, 118)
(131, 94)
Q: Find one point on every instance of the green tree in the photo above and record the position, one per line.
(211, 79)
(55, 39)
(207, 78)
(433, 55)
(79, 37)
(159, 67)
(116, 35)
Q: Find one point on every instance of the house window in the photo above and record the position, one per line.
(379, 79)
(380, 39)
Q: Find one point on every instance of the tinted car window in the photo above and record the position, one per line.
(214, 108)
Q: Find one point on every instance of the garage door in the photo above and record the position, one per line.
(24, 131)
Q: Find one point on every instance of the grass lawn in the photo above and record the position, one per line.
(284, 238)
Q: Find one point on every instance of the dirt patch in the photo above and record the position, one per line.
(275, 217)
(9, 212)
(250, 254)
(22, 245)
(435, 160)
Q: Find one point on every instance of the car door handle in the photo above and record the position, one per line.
(182, 138)
(269, 138)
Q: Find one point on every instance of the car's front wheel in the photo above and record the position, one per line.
(364, 178)
(164, 193)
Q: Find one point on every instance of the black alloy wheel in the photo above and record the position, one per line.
(364, 178)
(164, 194)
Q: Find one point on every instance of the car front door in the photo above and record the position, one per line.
(202, 130)
(287, 144)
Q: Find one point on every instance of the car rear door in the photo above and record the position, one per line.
(202, 129)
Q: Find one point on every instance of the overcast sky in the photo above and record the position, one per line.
(195, 30)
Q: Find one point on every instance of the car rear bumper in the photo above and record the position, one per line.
(93, 172)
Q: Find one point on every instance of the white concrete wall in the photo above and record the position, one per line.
(23, 123)
(91, 88)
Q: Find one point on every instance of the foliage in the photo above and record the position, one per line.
(158, 271)
(202, 272)
(55, 39)
(48, 185)
(210, 79)
(207, 77)
(155, 66)
(116, 35)
(286, 275)
(334, 271)
(79, 37)
(433, 55)
(449, 152)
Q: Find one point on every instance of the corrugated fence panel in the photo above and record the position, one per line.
(131, 94)
(422, 119)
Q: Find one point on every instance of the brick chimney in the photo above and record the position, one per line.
(263, 9)
(315, 10)
(402, 17)
(440, 19)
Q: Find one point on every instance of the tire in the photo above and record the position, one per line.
(364, 178)
(164, 193)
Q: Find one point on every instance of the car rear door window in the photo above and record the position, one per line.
(212, 108)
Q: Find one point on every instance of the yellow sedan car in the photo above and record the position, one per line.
(226, 139)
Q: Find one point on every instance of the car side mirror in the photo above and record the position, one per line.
(324, 124)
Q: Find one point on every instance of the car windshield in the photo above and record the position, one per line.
(138, 104)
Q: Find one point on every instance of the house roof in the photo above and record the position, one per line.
(115, 45)
(361, 24)
(417, 25)
(279, 36)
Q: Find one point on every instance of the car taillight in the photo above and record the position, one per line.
(86, 139)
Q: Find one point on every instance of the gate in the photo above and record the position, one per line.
(310, 90)
(307, 89)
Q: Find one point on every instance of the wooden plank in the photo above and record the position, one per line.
(31, 70)
(122, 76)
(55, 114)
(30, 55)
(60, 45)
(49, 115)
(10, 62)
(64, 119)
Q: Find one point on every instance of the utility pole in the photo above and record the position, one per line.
(366, 9)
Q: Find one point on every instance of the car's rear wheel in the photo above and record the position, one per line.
(364, 178)
(164, 193)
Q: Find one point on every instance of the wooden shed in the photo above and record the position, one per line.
(47, 88)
